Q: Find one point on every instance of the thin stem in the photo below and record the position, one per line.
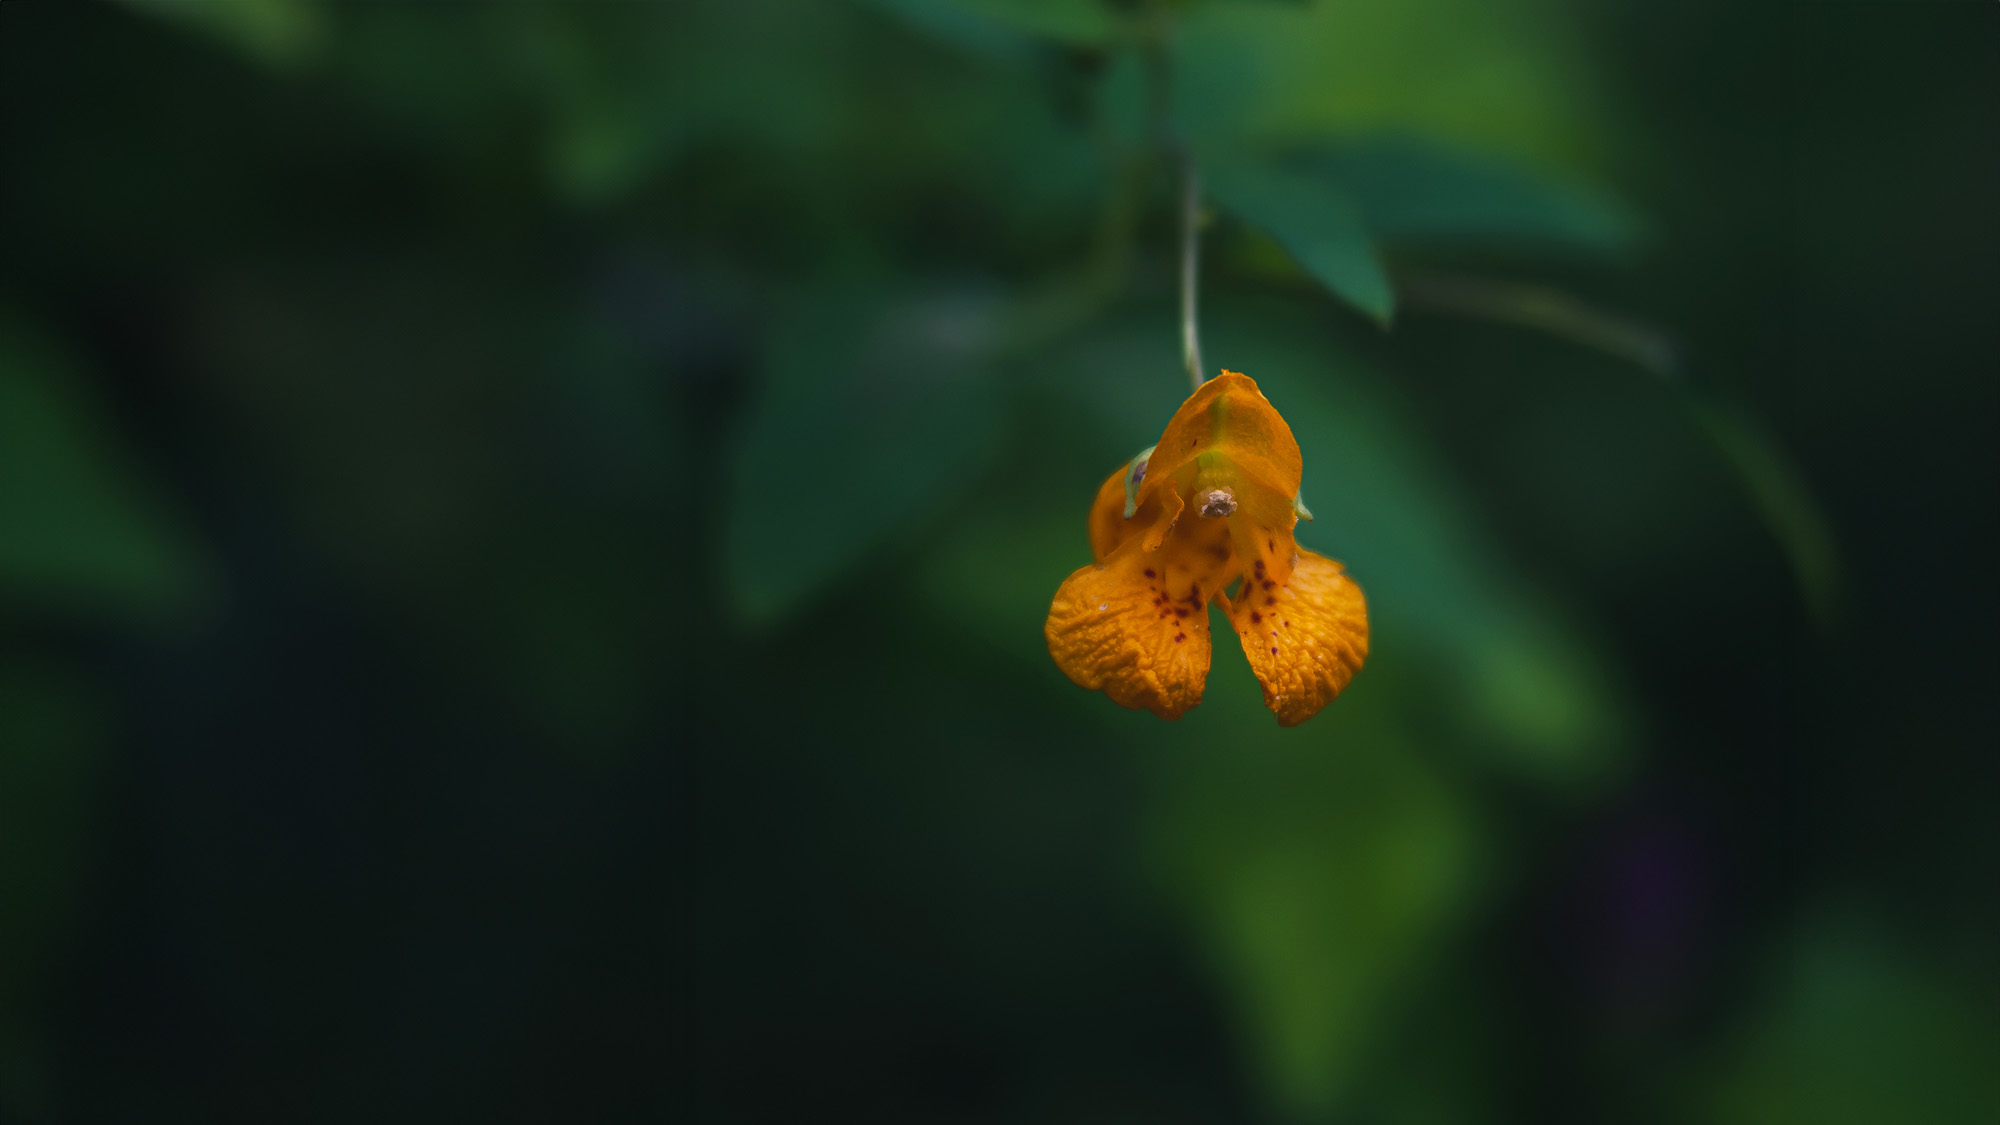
(1157, 57)
(1190, 265)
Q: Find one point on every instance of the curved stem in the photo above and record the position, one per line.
(1190, 265)
(1157, 58)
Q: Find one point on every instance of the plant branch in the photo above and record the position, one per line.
(1544, 309)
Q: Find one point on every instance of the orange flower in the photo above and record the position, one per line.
(1213, 503)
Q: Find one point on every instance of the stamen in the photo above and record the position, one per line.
(1216, 502)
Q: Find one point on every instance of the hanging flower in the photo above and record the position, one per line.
(1214, 503)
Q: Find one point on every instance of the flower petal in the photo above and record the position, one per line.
(1306, 636)
(1109, 526)
(1229, 435)
(1112, 628)
(1265, 554)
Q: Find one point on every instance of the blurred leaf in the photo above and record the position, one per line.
(995, 574)
(611, 94)
(78, 528)
(522, 451)
(1858, 1032)
(1409, 190)
(1315, 224)
(277, 33)
(50, 741)
(1449, 1059)
(873, 412)
(1782, 498)
(1511, 77)
(422, 363)
(626, 89)
(1320, 872)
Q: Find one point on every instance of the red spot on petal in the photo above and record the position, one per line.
(1180, 611)
(1274, 650)
(1255, 617)
(1150, 574)
(1267, 583)
(1179, 637)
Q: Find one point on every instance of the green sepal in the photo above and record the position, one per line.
(1133, 472)
(1299, 506)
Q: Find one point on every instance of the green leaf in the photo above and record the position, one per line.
(1313, 221)
(79, 530)
(874, 411)
(1859, 1031)
(1411, 190)
(1516, 77)
(277, 33)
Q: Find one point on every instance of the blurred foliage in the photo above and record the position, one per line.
(1413, 193)
(278, 33)
(1856, 1030)
(873, 410)
(83, 537)
(54, 740)
(1313, 221)
(78, 524)
(524, 534)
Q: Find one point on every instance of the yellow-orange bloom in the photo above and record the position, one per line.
(1214, 503)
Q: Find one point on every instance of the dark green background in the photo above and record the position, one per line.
(524, 532)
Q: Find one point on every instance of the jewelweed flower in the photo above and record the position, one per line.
(1213, 504)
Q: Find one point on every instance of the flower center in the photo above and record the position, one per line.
(1216, 502)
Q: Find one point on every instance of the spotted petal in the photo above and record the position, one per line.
(1113, 628)
(1306, 636)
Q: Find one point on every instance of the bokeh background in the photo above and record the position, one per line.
(524, 532)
